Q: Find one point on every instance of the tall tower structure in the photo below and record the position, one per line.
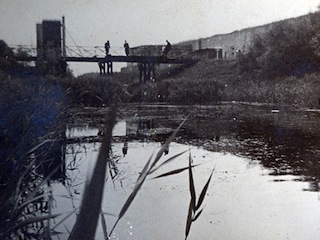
(49, 48)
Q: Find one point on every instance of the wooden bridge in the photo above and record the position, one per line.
(146, 64)
(52, 55)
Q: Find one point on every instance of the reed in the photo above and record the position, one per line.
(90, 209)
(194, 207)
(31, 110)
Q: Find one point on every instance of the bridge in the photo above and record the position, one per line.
(52, 54)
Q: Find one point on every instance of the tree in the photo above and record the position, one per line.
(289, 51)
(283, 51)
(250, 61)
(315, 32)
(7, 60)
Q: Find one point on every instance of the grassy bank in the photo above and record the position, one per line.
(32, 125)
(93, 90)
(211, 81)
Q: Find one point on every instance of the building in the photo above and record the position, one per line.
(228, 46)
(49, 47)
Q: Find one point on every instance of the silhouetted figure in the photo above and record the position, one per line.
(167, 48)
(125, 149)
(107, 47)
(102, 68)
(126, 47)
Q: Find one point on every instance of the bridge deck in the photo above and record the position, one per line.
(128, 59)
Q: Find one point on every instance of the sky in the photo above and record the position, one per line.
(140, 22)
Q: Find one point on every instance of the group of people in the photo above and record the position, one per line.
(166, 49)
(102, 64)
(125, 45)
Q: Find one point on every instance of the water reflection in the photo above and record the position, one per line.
(284, 151)
(285, 141)
(125, 149)
(285, 156)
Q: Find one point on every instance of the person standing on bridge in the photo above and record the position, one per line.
(107, 47)
(126, 47)
(167, 48)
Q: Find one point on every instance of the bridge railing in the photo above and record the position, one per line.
(93, 51)
(176, 52)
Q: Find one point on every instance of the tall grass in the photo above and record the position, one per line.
(30, 111)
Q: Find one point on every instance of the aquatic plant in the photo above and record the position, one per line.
(194, 207)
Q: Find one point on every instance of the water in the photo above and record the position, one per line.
(264, 186)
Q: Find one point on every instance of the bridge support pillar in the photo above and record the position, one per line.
(147, 72)
(109, 68)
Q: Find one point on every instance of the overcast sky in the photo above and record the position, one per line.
(141, 22)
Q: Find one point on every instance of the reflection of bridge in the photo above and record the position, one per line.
(52, 54)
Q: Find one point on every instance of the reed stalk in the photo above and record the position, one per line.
(87, 220)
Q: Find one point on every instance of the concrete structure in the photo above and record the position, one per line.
(227, 46)
(49, 47)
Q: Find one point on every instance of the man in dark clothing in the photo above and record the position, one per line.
(107, 47)
(167, 49)
(126, 47)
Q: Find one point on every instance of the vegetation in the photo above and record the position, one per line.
(31, 127)
(92, 91)
(7, 61)
(283, 51)
(281, 67)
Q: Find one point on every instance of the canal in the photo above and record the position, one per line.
(265, 183)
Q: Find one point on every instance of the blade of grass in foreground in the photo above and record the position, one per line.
(176, 171)
(166, 144)
(36, 189)
(104, 226)
(191, 184)
(203, 192)
(133, 194)
(192, 199)
(167, 161)
(87, 220)
(29, 221)
(146, 170)
(62, 220)
(193, 206)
